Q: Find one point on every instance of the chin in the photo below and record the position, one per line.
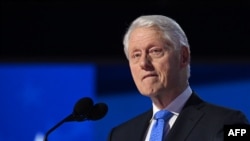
(149, 93)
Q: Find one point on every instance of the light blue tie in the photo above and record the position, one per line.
(158, 128)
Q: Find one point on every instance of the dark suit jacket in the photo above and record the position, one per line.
(198, 121)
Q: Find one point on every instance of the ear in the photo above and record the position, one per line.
(185, 56)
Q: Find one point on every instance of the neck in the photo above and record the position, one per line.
(163, 100)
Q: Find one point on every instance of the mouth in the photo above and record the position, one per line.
(149, 75)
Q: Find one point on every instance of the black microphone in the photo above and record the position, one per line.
(83, 110)
(98, 111)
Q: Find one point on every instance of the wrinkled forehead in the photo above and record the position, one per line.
(152, 32)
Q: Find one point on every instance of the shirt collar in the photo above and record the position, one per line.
(177, 104)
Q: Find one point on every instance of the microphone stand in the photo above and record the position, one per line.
(95, 112)
(68, 118)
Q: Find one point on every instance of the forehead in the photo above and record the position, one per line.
(145, 34)
(146, 37)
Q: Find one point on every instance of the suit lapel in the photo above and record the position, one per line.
(187, 119)
(141, 128)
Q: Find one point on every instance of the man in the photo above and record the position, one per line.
(159, 58)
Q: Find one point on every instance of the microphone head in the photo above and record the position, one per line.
(83, 106)
(98, 111)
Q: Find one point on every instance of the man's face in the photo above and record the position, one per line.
(154, 63)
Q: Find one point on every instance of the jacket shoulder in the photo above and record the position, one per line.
(133, 129)
(143, 117)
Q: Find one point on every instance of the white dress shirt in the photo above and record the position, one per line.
(174, 107)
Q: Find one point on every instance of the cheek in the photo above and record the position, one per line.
(167, 70)
(134, 72)
(164, 72)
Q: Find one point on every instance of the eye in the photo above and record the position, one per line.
(136, 55)
(156, 52)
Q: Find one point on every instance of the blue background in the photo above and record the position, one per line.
(34, 97)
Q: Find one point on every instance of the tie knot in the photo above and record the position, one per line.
(162, 114)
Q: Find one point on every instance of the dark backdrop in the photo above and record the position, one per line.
(73, 31)
(64, 30)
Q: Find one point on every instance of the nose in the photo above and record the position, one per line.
(145, 62)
